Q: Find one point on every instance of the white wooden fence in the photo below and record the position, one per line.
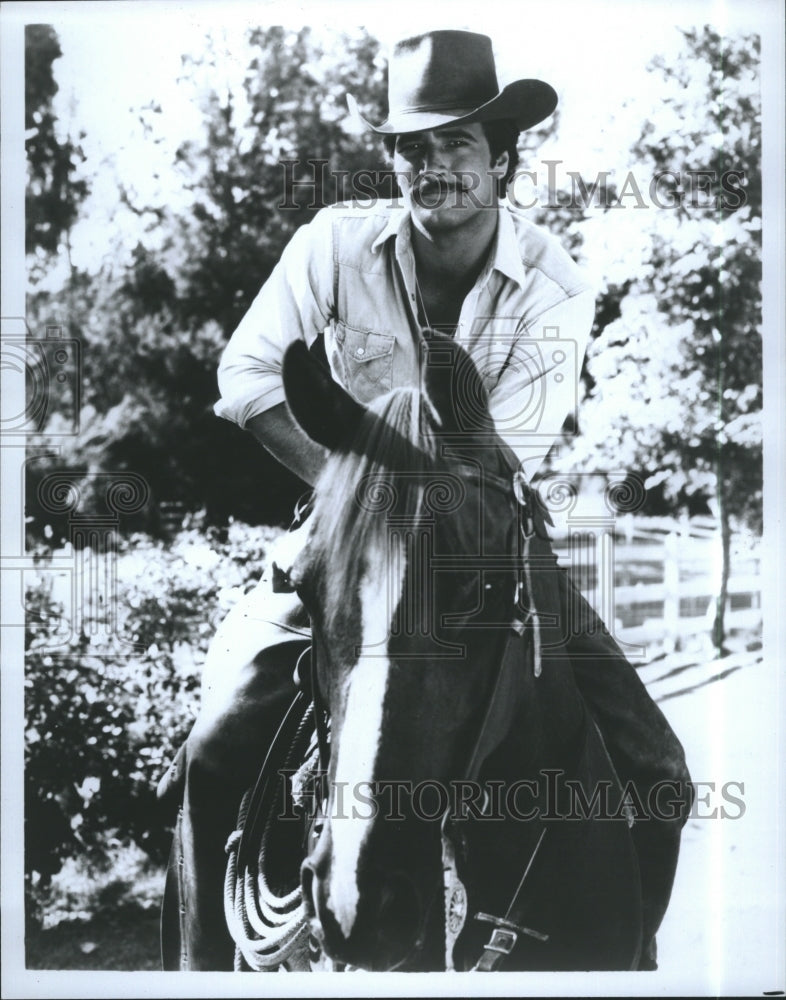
(655, 581)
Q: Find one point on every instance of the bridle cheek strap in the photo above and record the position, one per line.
(501, 711)
(526, 524)
(505, 699)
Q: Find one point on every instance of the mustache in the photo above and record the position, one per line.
(434, 184)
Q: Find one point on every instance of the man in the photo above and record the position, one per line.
(368, 282)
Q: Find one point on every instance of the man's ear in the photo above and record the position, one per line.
(499, 167)
(324, 410)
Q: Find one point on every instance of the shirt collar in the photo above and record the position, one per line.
(505, 253)
(396, 225)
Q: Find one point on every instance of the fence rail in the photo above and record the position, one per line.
(656, 582)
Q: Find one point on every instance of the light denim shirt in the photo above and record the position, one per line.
(350, 274)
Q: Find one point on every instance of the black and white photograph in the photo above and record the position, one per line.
(393, 476)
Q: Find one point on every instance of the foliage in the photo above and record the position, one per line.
(675, 377)
(89, 886)
(97, 913)
(243, 171)
(105, 713)
(152, 331)
(54, 192)
(675, 388)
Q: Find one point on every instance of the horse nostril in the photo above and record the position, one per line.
(308, 888)
(399, 907)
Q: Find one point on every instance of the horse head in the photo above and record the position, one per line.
(408, 580)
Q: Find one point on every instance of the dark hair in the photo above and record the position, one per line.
(502, 136)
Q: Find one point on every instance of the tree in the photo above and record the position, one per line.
(153, 332)
(256, 180)
(54, 192)
(677, 377)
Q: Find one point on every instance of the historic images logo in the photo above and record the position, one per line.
(313, 184)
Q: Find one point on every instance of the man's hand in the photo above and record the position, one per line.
(282, 437)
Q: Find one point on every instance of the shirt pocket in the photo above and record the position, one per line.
(364, 361)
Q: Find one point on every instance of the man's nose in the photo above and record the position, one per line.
(431, 158)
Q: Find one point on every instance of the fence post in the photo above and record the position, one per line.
(671, 585)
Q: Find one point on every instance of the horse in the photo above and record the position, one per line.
(469, 816)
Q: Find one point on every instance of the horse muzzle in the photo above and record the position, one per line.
(385, 930)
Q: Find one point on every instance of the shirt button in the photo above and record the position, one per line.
(360, 352)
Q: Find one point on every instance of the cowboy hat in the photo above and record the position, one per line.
(448, 77)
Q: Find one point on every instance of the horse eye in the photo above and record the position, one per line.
(301, 579)
(303, 586)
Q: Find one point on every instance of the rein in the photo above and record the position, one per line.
(497, 720)
(270, 929)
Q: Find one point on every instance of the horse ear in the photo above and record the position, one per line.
(324, 410)
(455, 388)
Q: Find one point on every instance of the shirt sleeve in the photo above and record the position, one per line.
(294, 303)
(539, 385)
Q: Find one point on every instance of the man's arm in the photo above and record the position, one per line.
(295, 303)
(540, 385)
(282, 437)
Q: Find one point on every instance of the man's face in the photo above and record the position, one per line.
(446, 175)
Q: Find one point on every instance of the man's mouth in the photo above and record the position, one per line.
(434, 190)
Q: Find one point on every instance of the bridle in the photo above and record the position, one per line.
(499, 714)
(498, 717)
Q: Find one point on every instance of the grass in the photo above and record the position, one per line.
(97, 915)
(125, 939)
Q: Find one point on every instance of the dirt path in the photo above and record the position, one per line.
(724, 932)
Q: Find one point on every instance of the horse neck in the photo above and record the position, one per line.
(548, 730)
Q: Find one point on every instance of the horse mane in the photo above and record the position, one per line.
(385, 464)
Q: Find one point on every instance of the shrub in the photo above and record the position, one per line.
(105, 713)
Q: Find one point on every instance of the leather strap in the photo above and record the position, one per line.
(320, 714)
(506, 933)
(502, 705)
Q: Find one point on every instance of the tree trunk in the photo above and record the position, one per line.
(719, 624)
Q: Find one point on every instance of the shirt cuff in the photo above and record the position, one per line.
(244, 408)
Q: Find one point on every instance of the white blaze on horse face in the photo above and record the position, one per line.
(361, 732)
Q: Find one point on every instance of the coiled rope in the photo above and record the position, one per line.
(263, 905)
